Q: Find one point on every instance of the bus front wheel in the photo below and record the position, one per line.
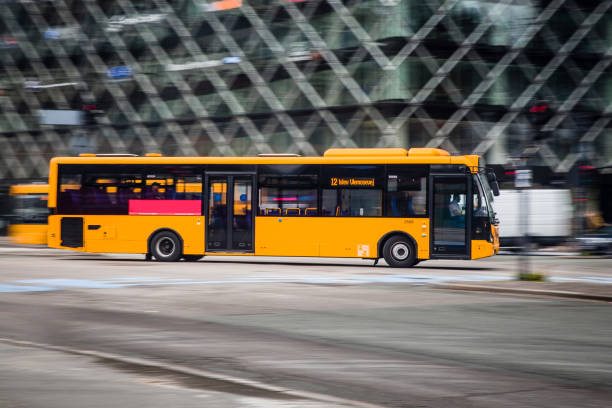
(399, 252)
(166, 247)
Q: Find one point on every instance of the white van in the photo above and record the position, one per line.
(550, 216)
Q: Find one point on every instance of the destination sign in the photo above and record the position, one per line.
(352, 181)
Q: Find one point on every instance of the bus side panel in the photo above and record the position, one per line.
(334, 237)
(30, 234)
(287, 236)
(482, 249)
(130, 234)
(54, 233)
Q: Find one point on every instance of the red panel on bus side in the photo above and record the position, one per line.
(165, 207)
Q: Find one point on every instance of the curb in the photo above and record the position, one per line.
(518, 291)
(179, 369)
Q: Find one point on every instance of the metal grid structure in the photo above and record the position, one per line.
(240, 77)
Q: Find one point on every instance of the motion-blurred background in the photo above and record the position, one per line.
(525, 83)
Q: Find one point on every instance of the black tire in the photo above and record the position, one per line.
(399, 252)
(166, 247)
(192, 258)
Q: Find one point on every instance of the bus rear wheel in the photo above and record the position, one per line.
(166, 247)
(399, 252)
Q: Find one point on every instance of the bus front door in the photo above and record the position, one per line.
(451, 216)
(229, 224)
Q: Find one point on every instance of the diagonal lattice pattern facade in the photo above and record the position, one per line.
(240, 77)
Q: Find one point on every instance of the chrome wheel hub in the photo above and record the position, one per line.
(165, 247)
(400, 251)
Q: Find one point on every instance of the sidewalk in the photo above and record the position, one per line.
(572, 290)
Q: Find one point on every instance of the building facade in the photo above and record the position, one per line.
(242, 77)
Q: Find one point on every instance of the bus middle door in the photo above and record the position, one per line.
(229, 222)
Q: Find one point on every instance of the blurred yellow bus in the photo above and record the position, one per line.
(28, 221)
(401, 205)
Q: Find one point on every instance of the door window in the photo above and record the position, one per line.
(450, 202)
(242, 225)
(230, 213)
(217, 213)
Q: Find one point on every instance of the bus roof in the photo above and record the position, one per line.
(22, 189)
(331, 156)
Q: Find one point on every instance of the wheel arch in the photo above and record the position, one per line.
(157, 231)
(381, 242)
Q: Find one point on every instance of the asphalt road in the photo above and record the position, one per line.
(227, 332)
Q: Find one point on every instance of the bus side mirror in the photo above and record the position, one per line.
(495, 188)
(493, 182)
(492, 179)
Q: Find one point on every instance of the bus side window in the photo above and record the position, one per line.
(406, 192)
(355, 202)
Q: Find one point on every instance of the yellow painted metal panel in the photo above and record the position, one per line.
(274, 236)
(471, 161)
(54, 238)
(427, 151)
(286, 236)
(482, 249)
(334, 237)
(130, 233)
(30, 234)
(338, 156)
(53, 182)
(366, 152)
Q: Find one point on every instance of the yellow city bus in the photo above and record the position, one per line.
(401, 205)
(28, 221)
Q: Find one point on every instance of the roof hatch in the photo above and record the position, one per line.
(427, 151)
(375, 152)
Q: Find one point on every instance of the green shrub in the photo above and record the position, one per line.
(532, 276)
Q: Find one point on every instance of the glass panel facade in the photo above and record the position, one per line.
(240, 78)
